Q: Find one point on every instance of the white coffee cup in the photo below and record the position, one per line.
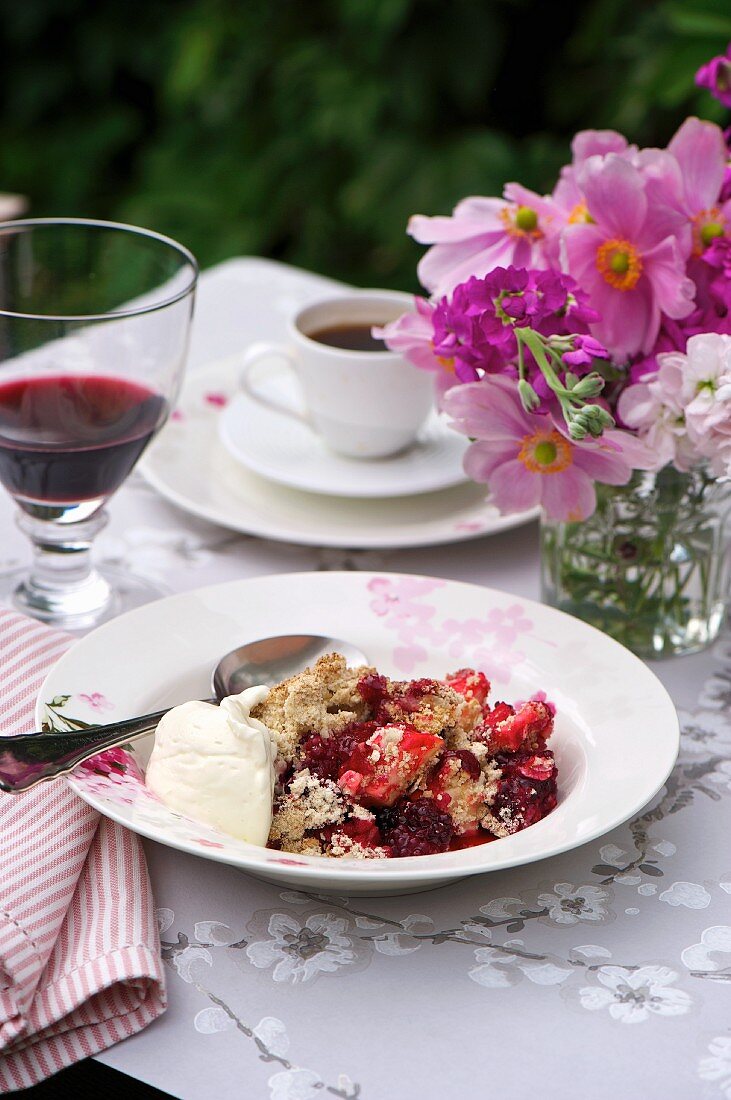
(364, 404)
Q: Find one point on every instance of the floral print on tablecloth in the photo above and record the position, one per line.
(591, 944)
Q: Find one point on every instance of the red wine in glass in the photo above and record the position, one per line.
(72, 438)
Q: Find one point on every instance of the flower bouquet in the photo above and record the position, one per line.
(582, 341)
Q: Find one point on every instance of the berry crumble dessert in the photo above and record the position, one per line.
(372, 768)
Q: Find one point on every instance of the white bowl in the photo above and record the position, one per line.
(616, 736)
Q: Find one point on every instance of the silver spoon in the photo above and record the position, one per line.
(31, 758)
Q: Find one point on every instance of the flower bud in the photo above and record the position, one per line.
(589, 386)
(528, 396)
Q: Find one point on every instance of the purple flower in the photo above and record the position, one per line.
(585, 350)
(718, 258)
(716, 76)
(526, 460)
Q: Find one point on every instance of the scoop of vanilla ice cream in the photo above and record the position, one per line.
(216, 765)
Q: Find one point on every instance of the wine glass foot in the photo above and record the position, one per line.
(108, 592)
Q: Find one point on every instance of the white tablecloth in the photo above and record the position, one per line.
(605, 972)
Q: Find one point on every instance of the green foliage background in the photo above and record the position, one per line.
(309, 130)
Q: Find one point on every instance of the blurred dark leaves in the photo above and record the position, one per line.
(310, 131)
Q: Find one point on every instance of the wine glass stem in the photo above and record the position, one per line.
(62, 587)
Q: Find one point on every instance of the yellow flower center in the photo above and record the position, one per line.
(446, 364)
(545, 452)
(620, 263)
(521, 221)
(580, 215)
(707, 225)
(526, 219)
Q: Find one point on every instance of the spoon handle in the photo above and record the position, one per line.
(31, 758)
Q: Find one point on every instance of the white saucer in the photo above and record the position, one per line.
(284, 450)
(189, 466)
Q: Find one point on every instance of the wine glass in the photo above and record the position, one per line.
(94, 326)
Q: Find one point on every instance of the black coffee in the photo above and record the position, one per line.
(351, 337)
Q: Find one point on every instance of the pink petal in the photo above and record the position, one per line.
(664, 190)
(568, 496)
(444, 266)
(580, 244)
(700, 151)
(615, 195)
(665, 269)
(634, 451)
(513, 488)
(603, 464)
(446, 230)
(636, 405)
(589, 143)
(566, 193)
(630, 320)
(489, 410)
(482, 458)
(523, 253)
(522, 196)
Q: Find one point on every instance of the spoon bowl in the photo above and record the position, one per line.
(31, 758)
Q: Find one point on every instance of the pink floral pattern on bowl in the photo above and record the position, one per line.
(486, 643)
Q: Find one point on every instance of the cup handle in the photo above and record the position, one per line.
(255, 354)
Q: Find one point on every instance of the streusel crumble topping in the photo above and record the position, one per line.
(373, 768)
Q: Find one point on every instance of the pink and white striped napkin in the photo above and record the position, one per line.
(80, 964)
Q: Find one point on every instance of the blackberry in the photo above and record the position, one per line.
(416, 828)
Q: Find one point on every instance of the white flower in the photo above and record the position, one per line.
(273, 1034)
(707, 363)
(211, 1020)
(716, 939)
(184, 961)
(716, 692)
(704, 733)
(299, 952)
(569, 904)
(717, 1067)
(496, 969)
(691, 895)
(211, 933)
(401, 943)
(165, 918)
(611, 854)
(633, 995)
(721, 777)
(655, 409)
(295, 1084)
(500, 909)
(664, 848)
(499, 966)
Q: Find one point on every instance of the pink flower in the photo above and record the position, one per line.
(631, 267)
(116, 764)
(716, 76)
(700, 150)
(526, 461)
(481, 234)
(508, 624)
(568, 200)
(97, 701)
(412, 335)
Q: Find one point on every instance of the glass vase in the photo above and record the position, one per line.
(650, 567)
